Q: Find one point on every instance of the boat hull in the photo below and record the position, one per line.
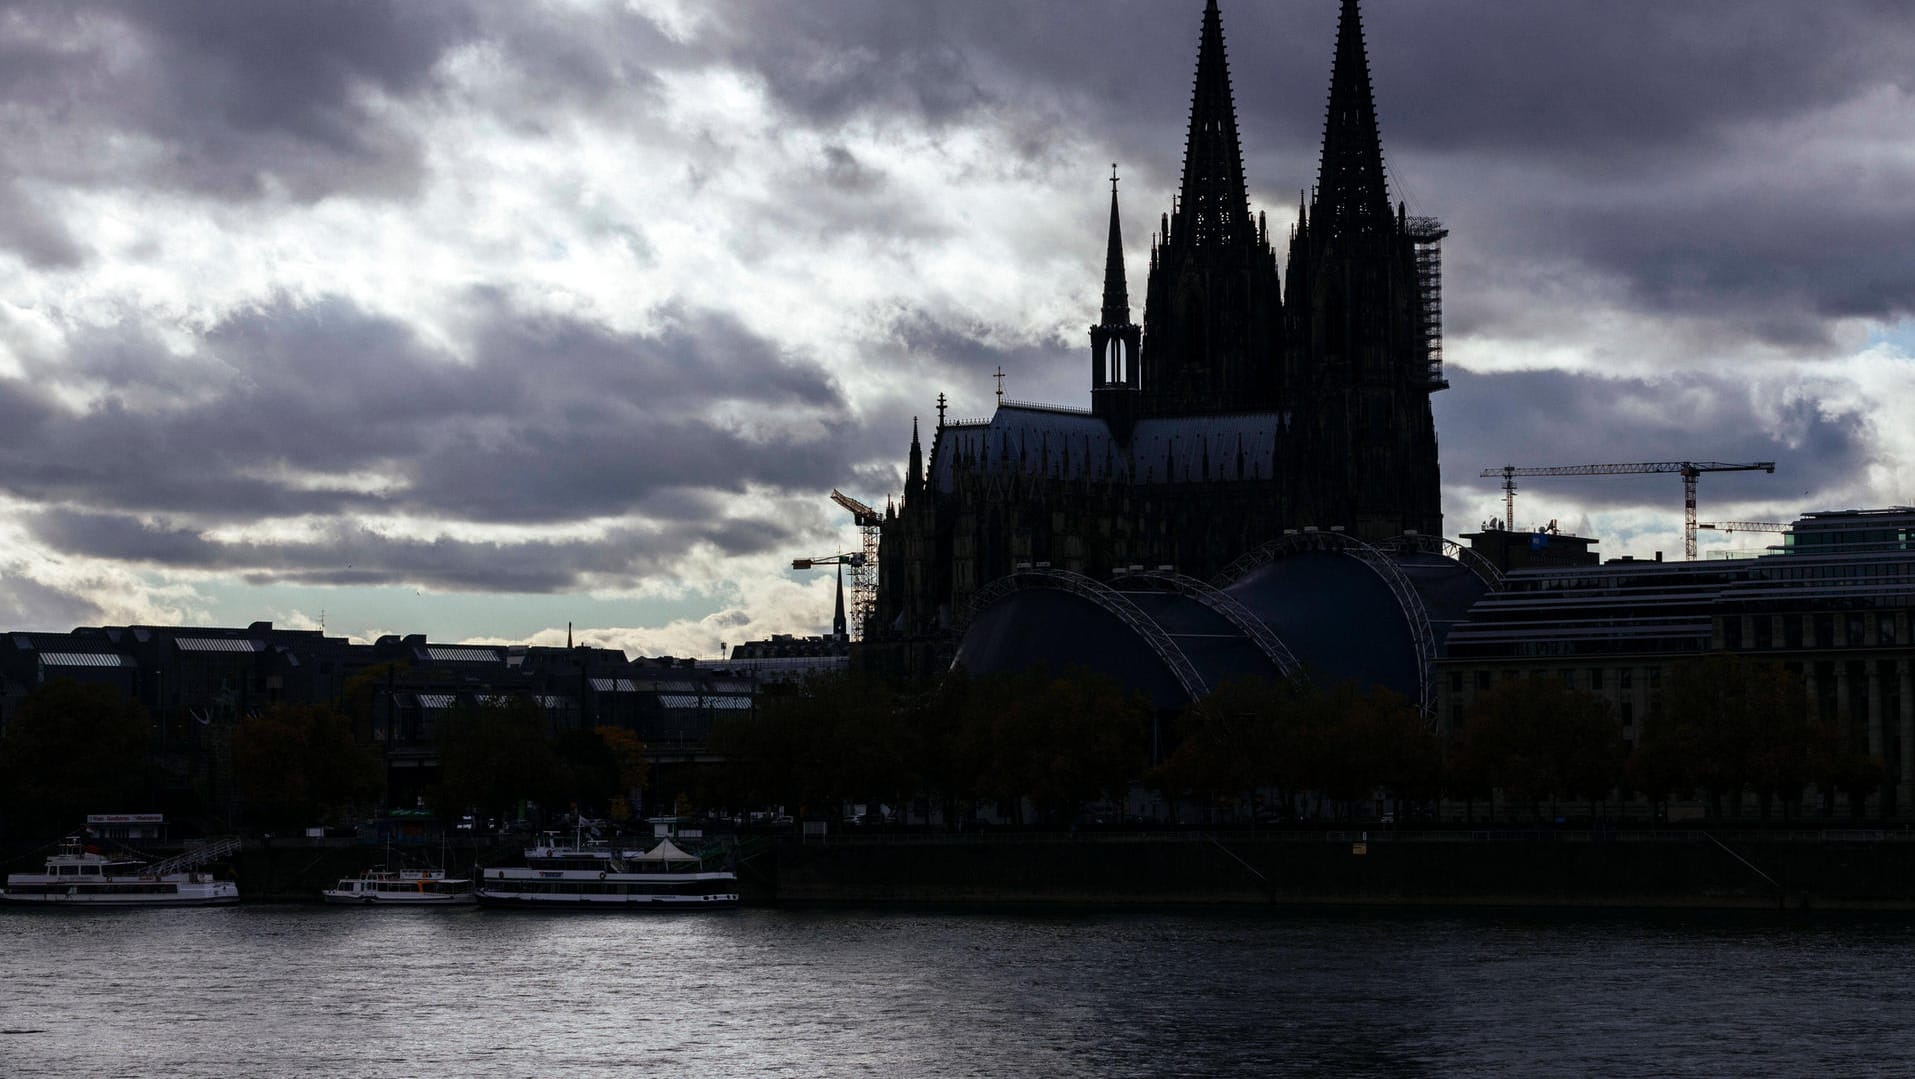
(355, 899)
(213, 896)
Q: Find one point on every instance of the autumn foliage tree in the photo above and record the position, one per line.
(1731, 725)
(1539, 741)
(494, 755)
(299, 765)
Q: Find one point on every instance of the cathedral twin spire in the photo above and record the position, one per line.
(1213, 206)
(1352, 194)
(1213, 318)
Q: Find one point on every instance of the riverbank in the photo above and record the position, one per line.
(1847, 870)
(1801, 869)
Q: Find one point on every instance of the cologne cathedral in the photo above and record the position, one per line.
(1258, 397)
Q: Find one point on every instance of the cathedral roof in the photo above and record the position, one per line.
(1069, 444)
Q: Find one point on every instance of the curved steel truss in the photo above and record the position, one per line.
(1450, 549)
(1116, 603)
(1422, 637)
(1229, 609)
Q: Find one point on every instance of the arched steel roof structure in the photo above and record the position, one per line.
(1113, 602)
(1320, 605)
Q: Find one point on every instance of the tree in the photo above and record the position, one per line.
(494, 754)
(628, 759)
(1537, 740)
(299, 764)
(70, 750)
(1732, 725)
(1228, 742)
(1058, 740)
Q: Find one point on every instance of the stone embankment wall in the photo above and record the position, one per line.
(1848, 870)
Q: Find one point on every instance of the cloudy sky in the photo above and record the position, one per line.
(476, 319)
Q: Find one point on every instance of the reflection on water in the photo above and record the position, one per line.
(263, 990)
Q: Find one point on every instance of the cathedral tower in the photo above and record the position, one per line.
(1213, 306)
(1361, 327)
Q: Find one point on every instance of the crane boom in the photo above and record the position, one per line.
(864, 515)
(1690, 471)
(864, 574)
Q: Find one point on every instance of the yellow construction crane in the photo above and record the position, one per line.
(864, 574)
(1690, 470)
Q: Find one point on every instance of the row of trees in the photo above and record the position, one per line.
(73, 749)
(1056, 741)
(1529, 748)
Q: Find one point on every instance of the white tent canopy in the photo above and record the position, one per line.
(666, 851)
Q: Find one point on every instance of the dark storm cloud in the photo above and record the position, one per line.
(1644, 144)
(235, 94)
(943, 349)
(348, 555)
(552, 420)
(32, 233)
(27, 604)
(1552, 418)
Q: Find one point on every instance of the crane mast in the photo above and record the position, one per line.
(864, 574)
(1690, 471)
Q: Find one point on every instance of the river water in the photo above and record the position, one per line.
(296, 991)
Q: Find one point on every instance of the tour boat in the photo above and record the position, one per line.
(381, 887)
(600, 877)
(80, 876)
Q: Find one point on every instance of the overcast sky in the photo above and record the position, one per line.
(474, 320)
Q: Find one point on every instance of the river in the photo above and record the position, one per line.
(294, 991)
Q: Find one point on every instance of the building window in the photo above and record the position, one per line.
(1628, 713)
(1792, 630)
(1595, 678)
(1655, 677)
(1456, 681)
(1825, 631)
(1764, 631)
(1626, 678)
(1885, 629)
(1482, 679)
(1569, 677)
(1732, 633)
(1855, 631)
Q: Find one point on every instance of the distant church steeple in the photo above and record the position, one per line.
(1212, 307)
(838, 629)
(914, 478)
(1115, 340)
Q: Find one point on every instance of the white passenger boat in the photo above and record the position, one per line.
(381, 887)
(604, 877)
(81, 876)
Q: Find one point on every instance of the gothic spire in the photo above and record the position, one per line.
(837, 615)
(915, 479)
(1212, 206)
(1116, 296)
(1351, 195)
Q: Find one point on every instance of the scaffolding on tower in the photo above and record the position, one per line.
(864, 576)
(1426, 237)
